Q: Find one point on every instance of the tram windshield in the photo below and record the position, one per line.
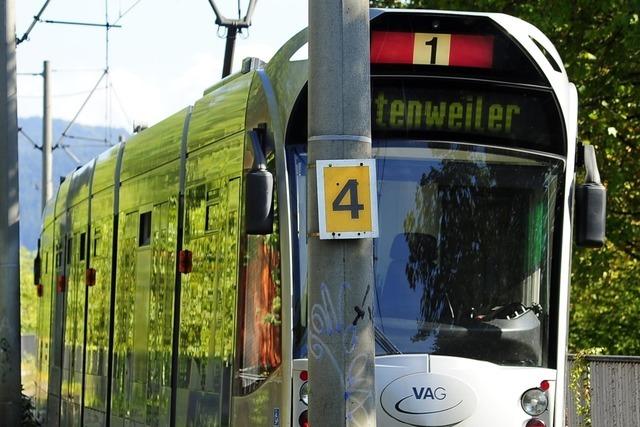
(463, 262)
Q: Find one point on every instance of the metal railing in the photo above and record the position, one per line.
(610, 385)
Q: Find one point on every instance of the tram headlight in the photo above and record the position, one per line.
(534, 401)
(304, 393)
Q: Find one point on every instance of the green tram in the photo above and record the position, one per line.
(172, 268)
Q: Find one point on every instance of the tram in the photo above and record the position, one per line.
(172, 269)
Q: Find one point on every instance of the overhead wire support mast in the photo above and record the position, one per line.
(10, 400)
(233, 26)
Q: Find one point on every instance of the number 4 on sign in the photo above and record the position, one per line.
(354, 207)
(347, 200)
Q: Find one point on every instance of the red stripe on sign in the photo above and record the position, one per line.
(471, 51)
(388, 47)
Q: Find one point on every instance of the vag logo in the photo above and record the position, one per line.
(438, 393)
(425, 399)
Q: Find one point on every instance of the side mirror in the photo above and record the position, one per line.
(37, 267)
(37, 270)
(258, 204)
(591, 205)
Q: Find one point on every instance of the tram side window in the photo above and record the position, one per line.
(69, 248)
(83, 246)
(259, 328)
(96, 245)
(144, 237)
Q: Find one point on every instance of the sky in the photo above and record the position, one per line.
(162, 59)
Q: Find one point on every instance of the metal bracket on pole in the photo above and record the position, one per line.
(590, 164)
(85, 24)
(36, 19)
(233, 26)
(353, 138)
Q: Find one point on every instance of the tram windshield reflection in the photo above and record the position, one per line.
(463, 262)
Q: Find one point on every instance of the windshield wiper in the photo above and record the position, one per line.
(385, 342)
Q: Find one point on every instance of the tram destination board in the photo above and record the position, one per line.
(457, 111)
(432, 49)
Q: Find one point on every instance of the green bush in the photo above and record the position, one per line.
(28, 412)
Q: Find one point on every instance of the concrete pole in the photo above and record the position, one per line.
(10, 408)
(340, 272)
(47, 131)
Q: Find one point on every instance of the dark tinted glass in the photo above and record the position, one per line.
(463, 264)
(144, 236)
(482, 113)
(509, 61)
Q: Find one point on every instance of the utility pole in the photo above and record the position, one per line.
(10, 399)
(47, 131)
(340, 272)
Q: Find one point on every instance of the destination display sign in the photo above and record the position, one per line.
(456, 50)
(449, 45)
(495, 115)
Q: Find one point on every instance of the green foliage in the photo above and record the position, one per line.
(28, 411)
(28, 294)
(580, 384)
(600, 44)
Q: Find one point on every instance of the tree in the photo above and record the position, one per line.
(28, 294)
(600, 44)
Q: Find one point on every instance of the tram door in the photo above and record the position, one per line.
(144, 315)
(208, 293)
(74, 328)
(58, 316)
(46, 293)
(100, 249)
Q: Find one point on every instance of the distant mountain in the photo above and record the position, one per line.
(30, 165)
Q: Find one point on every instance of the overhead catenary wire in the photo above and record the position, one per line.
(71, 155)
(38, 18)
(121, 105)
(122, 14)
(61, 95)
(76, 70)
(108, 86)
(104, 73)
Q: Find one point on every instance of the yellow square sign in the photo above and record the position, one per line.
(347, 201)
